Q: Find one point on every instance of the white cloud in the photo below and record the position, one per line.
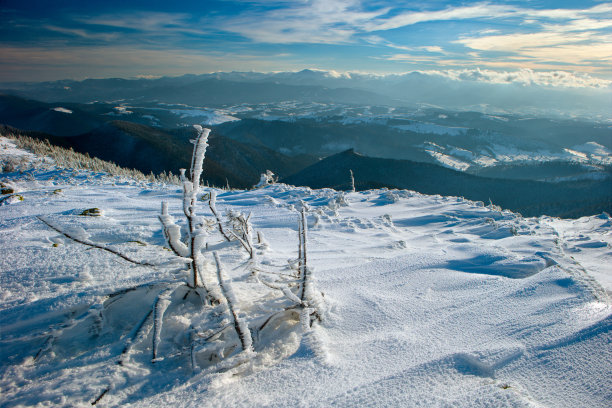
(315, 21)
(144, 21)
(524, 77)
(583, 48)
(543, 38)
(83, 33)
(552, 39)
(518, 42)
(482, 10)
(569, 14)
(583, 24)
(433, 49)
(413, 58)
(488, 11)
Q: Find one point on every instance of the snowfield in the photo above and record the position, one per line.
(427, 301)
(460, 159)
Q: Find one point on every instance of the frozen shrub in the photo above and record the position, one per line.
(266, 179)
(69, 159)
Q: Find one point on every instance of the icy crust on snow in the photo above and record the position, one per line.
(430, 301)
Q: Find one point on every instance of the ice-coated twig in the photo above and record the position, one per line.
(305, 299)
(192, 353)
(300, 247)
(159, 309)
(258, 269)
(241, 231)
(304, 272)
(199, 152)
(241, 326)
(274, 316)
(244, 244)
(133, 336)
(210, 337)
(284, 289)
(192, 249)
(213, 208)
(172, 233)
(291, 296)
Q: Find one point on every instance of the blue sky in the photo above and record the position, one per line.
(48, 40)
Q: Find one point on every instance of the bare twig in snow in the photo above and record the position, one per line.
(94, 245)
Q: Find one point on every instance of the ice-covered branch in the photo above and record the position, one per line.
(159, 309)
(304, 272)
(241, 230)
(201, 143)
(213, 208)
(195, 242)
(172, 233)
(241, 326)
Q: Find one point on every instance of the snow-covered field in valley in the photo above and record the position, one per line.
(425, 301)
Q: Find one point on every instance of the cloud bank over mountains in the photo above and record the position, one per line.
(525, 76)
(42, 41)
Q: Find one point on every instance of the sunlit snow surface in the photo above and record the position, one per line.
(430, 301)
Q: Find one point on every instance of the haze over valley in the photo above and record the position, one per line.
(286, 122)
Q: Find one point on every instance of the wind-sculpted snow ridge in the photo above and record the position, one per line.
(429, 301)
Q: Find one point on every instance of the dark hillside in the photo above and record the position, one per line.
(42, 117)
(531, 198)
(154, 150)
(324, 138)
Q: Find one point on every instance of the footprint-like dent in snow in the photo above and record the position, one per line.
(468, 364)
(500, 265)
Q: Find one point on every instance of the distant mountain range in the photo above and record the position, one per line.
(415, 88)
(191, 90)
(433, 151)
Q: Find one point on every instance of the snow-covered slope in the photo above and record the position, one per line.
(457, 158)
(429, 301)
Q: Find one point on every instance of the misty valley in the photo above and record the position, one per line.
(314, 135)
